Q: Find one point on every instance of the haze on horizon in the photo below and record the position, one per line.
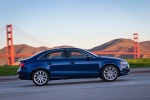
(79, 23)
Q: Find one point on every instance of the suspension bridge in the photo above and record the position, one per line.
(10, 54)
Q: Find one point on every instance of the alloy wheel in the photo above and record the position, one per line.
(110, 73)
(40, 77)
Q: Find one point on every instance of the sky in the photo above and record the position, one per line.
(80, 23)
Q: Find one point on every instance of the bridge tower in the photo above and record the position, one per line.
(10, 46)
(136, 46)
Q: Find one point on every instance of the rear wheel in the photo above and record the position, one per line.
(109, 73)
(40, 77)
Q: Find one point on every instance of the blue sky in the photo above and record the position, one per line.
(79, 23)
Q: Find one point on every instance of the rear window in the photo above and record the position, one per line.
(53, 54)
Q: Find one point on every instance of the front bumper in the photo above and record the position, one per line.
(125, 71)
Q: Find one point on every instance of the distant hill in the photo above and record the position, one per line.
(116, 45)
(122, 45)
(24, 49)
(145, 47)
(145, 44)
(64, 46)
(21, 49)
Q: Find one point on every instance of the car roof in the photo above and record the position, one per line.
(67, 48)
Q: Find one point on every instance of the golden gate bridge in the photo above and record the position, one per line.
(10, 54)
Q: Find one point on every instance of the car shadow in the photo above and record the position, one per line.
(77, 82)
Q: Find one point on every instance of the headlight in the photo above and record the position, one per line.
(124, 62)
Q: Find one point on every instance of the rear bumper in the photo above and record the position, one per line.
(23, 77)
(24, 74)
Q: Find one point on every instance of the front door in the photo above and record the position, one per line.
(81, 66)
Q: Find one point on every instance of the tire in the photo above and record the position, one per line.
(40, 77)
(100, 77)
(109, 73)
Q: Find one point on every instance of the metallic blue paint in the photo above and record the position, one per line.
(65, 68)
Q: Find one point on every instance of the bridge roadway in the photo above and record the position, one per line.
(96, 52)
(131, 87)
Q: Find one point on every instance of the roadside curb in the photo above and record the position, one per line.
(8, 78)
(133, 71)
(140, 70)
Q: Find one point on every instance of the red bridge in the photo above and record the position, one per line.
(10, 55)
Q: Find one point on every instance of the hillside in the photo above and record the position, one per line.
(122, 45)
(116, 45)
(21, 49)
(146, 45)
(24, 49)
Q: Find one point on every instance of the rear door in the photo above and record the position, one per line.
(58, 64)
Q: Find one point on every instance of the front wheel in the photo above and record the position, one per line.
(40, 77)
(109, 73)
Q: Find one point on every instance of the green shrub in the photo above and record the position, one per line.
(8, 70)
(139, 63)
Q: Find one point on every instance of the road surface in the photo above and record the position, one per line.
(131, 87)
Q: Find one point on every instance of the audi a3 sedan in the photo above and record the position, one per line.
(70, 63)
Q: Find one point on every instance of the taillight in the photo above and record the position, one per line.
(21, 64)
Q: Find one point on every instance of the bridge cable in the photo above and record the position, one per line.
(2, 29)
(31, 37)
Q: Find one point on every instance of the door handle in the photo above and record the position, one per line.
(72, 62)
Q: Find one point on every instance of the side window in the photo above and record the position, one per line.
(76, 54)
(53, 54)
(58, 54)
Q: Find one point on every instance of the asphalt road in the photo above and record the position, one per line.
(131, 87)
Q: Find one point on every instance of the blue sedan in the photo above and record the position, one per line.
(70, 63)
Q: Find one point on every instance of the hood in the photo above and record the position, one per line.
(110, 58)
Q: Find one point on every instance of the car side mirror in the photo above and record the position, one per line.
(88, 57)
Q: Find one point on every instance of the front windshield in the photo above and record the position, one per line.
(92, 53)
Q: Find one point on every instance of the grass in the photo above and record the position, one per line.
(139, 63)
(134, 63)
(8, 70)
